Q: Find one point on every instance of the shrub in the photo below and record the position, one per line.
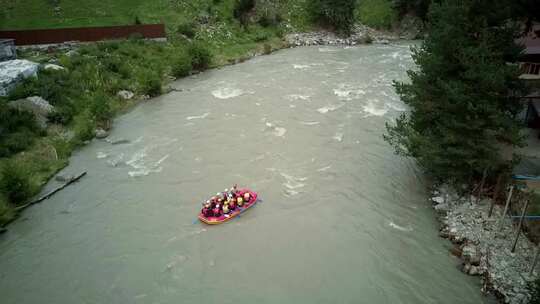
(242, 9)
(267, 49)
(18, 130)
(100, 108)
(200, 56)
(14, 183)
(377, 13)
(84, 127)
(181, 66)
(261, 36)
(336, 13)
(150, 84)
(187, 29)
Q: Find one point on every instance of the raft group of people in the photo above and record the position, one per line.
(225, 202)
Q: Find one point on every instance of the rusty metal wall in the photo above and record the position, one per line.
(50, 36)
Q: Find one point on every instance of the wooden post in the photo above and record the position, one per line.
(534, 261)
(506, 207)
(481, 189)
(495, 195)
(520, 224)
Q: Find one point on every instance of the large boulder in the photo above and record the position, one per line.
(13, 71)
(37, 105)
(471, 254)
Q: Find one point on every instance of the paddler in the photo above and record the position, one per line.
(226, 208)
(240, 201)
(232, 204)
(247, 197)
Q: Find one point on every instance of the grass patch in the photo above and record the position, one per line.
(376, 13)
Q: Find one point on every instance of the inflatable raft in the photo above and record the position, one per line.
(212, 220)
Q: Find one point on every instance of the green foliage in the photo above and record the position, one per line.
(459, 110)
(418, 8)
(150, 84)
(241, 10)
(534, 287)
(377, 13)
(14, 183)
(99, 105)
(18, 129)
(200, 56)
(187, 29)
(84, 127)
(181, 65)
(336, 13)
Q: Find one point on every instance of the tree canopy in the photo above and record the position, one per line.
(460, 112)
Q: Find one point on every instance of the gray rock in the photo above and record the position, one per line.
(13, 71)
(474, 271)
(53, 67)
(100, 133)
(438, 199)
(126, 95)
(64, 178)
(37, 105)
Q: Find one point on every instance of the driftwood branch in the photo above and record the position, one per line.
(48, 195)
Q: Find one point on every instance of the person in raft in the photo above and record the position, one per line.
(225, 202)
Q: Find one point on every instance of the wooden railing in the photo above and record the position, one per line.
(83, 34)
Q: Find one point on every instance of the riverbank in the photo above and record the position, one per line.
(484, 245)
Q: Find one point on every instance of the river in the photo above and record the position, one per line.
(343, 219)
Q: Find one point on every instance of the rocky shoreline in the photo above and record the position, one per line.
(484, 245)
(361, 34)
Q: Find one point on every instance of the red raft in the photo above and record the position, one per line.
(213, 220)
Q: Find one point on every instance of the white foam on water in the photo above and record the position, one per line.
(301, 66)
(227, 93)
(162, 159)
(327, 50)
(338, 136)
(294, 97)
(257, 104)
(144, 172)
(279, 131)
(329, 108)
(309, 123)
(203, 116)
(324, 169)
(292, 106)
(400, 228)
(116, 160)
(101, 155)
(347, 92)
(372, 109)
(395, 106)
(292, 183)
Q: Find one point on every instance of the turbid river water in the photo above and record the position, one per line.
(344, 220)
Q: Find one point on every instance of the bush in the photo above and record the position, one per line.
(187, 29)
(100, 108)
(181, 66)
(267, 49)
(377, 13)
(150, 84)
(14, 183)
(200, 56)
(84, 127)
(336, 13)
(242, 9)
(18, 130)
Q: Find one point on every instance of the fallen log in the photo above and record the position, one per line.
(51, 193)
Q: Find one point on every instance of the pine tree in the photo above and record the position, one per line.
(460, 112)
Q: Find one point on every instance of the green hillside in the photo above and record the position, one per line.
(33, 14)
